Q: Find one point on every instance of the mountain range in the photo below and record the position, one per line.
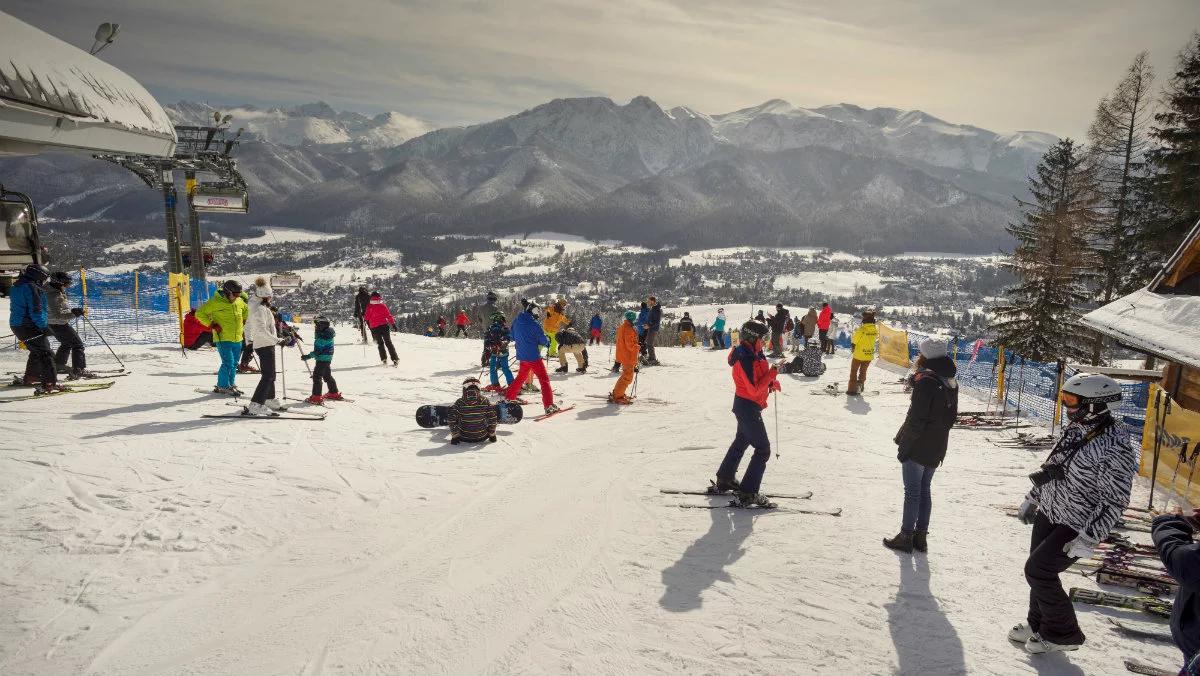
(841, 176)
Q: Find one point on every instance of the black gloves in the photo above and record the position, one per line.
(492, 439)
(77, 311)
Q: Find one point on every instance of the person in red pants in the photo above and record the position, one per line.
(529, 337)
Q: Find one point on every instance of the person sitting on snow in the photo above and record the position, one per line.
(472, 418)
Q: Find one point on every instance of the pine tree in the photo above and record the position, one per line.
(1052, 261)
(1171, 199)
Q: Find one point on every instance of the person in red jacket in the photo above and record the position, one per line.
(381, 322)
(823, 320)
(196, 334)
(461, 321)
(441, 327)
(753, 379)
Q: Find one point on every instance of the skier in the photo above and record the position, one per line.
(472, 418)
(28, 319)
(381, 323)
(483, 316)
(226, 314)
(778, 323)
(1180, 555)
(863, 344)
(643, 323)
(627, 356)
(460, 322)
(687, 331)
(554, 320)
(60, 316)
(441, 326)
(322, 352)
(195, 334)
(922, 441)
(262, 334)
(823, 320)
(754, 379)
(596, 330)
(361, 299)
(529, 338)
(653, 324)
(718, 330)
(496, 341)
(1078, 494)
(808, 326)
(570, 342)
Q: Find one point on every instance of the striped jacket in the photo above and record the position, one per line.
(472, 418)
(1094, 492)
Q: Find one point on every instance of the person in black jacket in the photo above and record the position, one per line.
(778, 323)
(653, 324)
(923, 439)
(361, 300)
(1172, 535)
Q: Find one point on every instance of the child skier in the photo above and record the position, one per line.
(472, 418)
(226, 314)
(555, 319)
(195, 334)
(380, 319)
(529, 338)
(627, 357)
(61, 314)
(496, 342)
(754, 379)
(596, 329)
(322, 352)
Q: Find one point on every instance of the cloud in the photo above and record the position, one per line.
(1014, 65)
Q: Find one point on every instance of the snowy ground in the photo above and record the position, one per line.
(832, 283)
(139, 538)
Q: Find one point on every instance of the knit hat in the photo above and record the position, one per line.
(932, 348)
(630, 315)
(262, 289)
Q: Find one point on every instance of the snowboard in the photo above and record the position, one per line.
(507, 413)
(1139, 667)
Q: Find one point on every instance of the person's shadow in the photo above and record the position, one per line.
(925, 641)
(704, 561)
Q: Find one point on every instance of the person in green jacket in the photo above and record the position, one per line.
(226, 314)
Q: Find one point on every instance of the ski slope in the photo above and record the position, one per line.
(138, 538)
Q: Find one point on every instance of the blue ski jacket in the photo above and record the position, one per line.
(27, 305)
(596, 322)
(642, 320)
(528, 335)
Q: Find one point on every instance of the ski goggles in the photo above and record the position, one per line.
(1070, 400)
(470, 382)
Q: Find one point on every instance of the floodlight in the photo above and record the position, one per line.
(105, 34)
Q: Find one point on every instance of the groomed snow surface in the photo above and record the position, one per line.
(138, 538)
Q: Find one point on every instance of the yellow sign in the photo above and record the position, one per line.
(180, 297)
(1178, 432)
(893, 345)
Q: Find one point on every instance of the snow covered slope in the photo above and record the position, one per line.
(139, 538)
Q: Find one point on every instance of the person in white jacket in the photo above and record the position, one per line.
(261, 333)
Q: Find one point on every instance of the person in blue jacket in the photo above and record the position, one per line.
(28, 317)
(643, 323)
(596, 328)
(529, 336)
(1180, 555)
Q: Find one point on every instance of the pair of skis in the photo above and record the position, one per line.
(835, 390)
(69, 389)
(245, 415)
(733, 504)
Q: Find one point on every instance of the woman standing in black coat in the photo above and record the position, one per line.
(923, 439)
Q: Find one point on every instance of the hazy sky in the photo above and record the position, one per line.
(1006, 66)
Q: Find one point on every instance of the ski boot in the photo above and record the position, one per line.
(623, 400)
(254, 410)
(80, 374)
(395, 362)
(274, 404)
(315, 399)
(334, 396)
(1021, 633)
(228, 391)
(552, 408)
(493, 388)
(48, 389)
(581, 369)
(903, 542)
(561, 369)
(752, 501)
(246, 369)
(722, 486)
(530, 387)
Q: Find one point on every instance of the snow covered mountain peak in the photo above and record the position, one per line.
(308, 124)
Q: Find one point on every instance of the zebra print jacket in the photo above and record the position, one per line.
(1094, 491)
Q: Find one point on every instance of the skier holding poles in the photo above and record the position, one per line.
(261, 333)
(361, 300)
(28, 319)
(61, 314)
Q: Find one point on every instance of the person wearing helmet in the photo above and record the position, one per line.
(754, 379)
(361, 299)
(60, 315)
(28, 317)
(495, 341)
(1078, 495)
(262, 334)
(226, 313)
(863, 343)
(322, 352)
(472, 418)
(627, 357)
(529, 338)
(382, 323)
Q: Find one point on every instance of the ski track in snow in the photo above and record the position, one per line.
(138, 538)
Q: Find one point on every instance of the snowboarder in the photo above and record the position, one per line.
(496, 342)
(554, 320)
(823, 320)
(381, 323)
(778, 323)
(60, 316)
(1078, 494)
(195, 333)
(687, 331)
(1180, 555)
(627, 356)
(262, 334)
(596, 330)
(718, 330)
(807, 327)
(472, 418)
(754, 379)
(226, 314)
(441, 326)
(529, 338)
(922, 441)
(460, 322)
(361, 300)
(322, 352)
(570, 342)
(653, 324)
(28, 317)
(863, 344)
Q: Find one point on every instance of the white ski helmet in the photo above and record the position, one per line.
(1095, 393)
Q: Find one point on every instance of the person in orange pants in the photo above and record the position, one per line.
(627, 357)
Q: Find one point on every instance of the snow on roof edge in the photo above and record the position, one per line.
(1163, 325)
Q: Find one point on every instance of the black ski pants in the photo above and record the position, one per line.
(751, 431)
(266, 375)
(383, 340)
(69, 343)
(41, 357)
(247, 354)
(322, 372)
(1051, 613)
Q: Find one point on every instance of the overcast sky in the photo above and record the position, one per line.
(1006, 66)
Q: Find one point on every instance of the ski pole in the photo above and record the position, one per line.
(283, 375)
(1158, 423)
(1020, 389)
(306, 366)
(114, 354)
(776, 424)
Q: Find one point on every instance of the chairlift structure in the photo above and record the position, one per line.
(19, 241)
(286, 281)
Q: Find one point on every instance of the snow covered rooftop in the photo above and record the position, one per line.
(1164, 325)
(53, 94)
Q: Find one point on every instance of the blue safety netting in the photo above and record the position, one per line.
(122, 317)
